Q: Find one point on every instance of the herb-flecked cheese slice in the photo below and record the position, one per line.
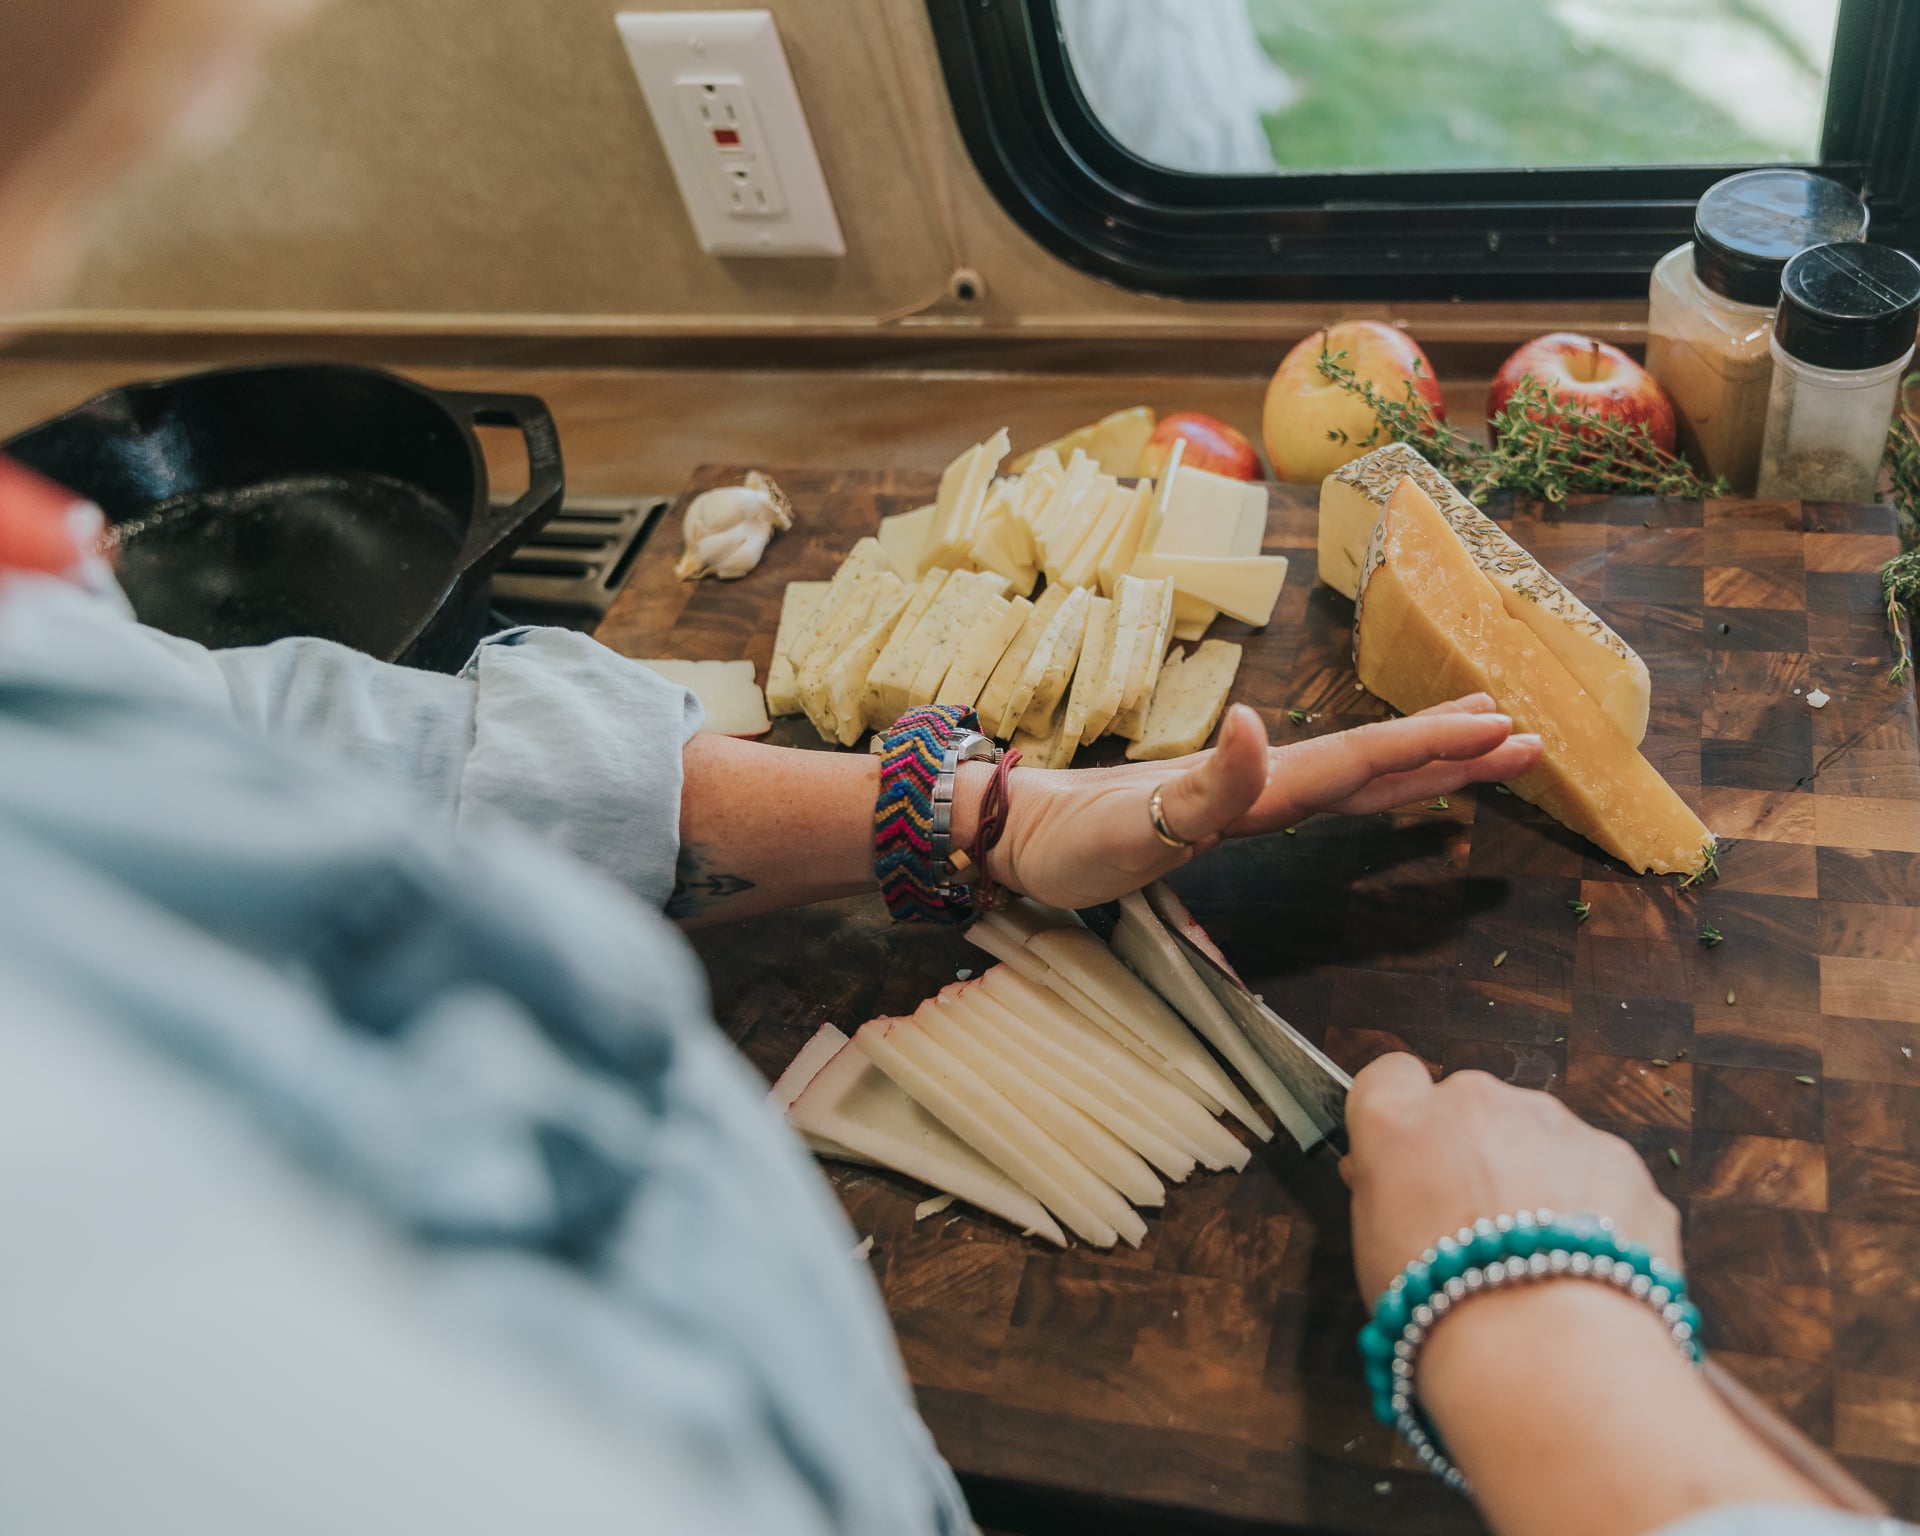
(1351, 501)
(1430, 626)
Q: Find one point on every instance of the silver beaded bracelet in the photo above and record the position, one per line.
(1629, 1275)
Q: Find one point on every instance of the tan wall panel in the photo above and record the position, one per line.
(486, 164)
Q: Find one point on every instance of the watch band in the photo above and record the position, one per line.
(913, 816)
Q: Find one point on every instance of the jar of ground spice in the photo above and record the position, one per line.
(1711, 305)
(1844, 333)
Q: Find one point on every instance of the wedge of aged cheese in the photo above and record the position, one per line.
(1244, 587)
(905, 537)
(846, 675)
(796, 607)
(1074, 1079)
(981, 649)
(865, 564)
(1181, 1118)
(848, 1103)
(1351, 500)
(993, 699)
(1187, 701)
(1113, 442)
(1109, 1157)
(1153, 954)
(962, 495)
(1083, 957)
(1430, 626)
(1089, 676)
(1006, 1136)
(726, 690)
(1049, 669)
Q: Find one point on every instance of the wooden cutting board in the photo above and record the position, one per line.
(1210, 1378)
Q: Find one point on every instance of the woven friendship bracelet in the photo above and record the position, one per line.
(904, 862)
(1490, 1255)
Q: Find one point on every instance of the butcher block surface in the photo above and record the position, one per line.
(1209, 1379)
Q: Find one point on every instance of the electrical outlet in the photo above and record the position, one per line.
(724, 105)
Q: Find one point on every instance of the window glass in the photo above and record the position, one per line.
(1238, 86)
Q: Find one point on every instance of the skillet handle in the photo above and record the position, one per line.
(500, 530)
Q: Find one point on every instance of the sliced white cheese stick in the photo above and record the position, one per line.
(1196, 1130)
(802, 1070)
(1085, 960)
(1076, 1080)
(1027, 917)
(1142, 941)
(983, 1118)
(850, 1103)
(1007, 946)
(1096, 1146)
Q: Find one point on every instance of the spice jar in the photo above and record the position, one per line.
(1711, 304)
(1844, 332)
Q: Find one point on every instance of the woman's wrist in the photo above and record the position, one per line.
(1545, 1393)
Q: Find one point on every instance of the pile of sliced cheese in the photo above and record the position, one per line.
(1448, 604)
(1055, 1090)
(940, 606)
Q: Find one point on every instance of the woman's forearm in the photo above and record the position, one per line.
(762, 828)
(1572, 1413)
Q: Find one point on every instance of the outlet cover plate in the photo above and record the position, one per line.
(763, 194)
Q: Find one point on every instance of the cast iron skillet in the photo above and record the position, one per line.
(249, 504)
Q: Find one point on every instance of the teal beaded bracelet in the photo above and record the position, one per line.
(1505, 1250)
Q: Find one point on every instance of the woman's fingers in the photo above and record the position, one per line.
(1509, 760)
(1215, 793)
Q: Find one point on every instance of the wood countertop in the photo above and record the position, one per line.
(1209, 1380)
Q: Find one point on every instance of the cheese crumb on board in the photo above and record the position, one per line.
(1351, 502)
(1430, 626)
(1187, 701)
(733, 703)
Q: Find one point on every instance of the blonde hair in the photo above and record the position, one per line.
(94, 87)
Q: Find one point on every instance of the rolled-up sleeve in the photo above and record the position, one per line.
(544, 727)
(1779, 1520)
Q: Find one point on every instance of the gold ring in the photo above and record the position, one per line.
(1157, 813)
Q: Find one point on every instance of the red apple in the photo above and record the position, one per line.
(1303, 406)
(1581, 371)
(1212, 445)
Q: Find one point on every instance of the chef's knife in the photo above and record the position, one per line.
(1314, 1080)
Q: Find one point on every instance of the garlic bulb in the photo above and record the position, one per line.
(727, 528)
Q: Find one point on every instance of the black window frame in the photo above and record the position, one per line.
(1591, 233)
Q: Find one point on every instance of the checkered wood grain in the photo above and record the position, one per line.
(1209, 1378)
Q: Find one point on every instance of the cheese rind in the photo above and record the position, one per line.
(1187, 701)
(733, 703)
(1430, 626)
(1351, 501)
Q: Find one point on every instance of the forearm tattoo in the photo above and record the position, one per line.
(697, 887)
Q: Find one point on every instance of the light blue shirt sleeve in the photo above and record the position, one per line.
(543, 727)
(1777, 1520)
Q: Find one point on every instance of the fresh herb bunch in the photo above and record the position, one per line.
(1901, 575)
(1542, 447)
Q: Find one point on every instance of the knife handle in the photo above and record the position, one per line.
(1792, 1447)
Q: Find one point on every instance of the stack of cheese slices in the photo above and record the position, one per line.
(1056, 1090)
(1045, 601)
(1448, 604)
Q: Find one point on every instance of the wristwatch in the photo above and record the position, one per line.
(964, 747)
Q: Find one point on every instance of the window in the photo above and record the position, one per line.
(1477, 148)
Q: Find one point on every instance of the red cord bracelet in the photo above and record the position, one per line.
(995, 807)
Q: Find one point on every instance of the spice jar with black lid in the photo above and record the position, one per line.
(1844, 332)
(1711, 303)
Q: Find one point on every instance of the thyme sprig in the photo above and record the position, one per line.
(1542, 447)
(1900, 576)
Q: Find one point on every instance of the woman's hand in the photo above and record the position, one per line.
(1429, 1158)
(1565, 1403)
(1078, 838)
